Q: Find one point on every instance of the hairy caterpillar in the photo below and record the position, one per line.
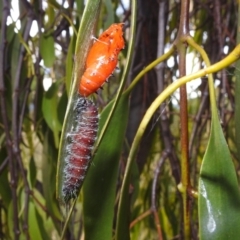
(80, 139)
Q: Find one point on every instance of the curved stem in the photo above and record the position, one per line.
(140, 217)
(150, 67)
(16, 118)
(232, 57)
(191, 42)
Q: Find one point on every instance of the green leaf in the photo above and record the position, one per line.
(55, 4)
(32, 173)
(83, 44)
(62, 105)
(80, 6)
(109, 17)
(49, 109)
(50, 13)
(99, 188)
(47, 50)
(69, 63)
(219, 198)
(10, 220)
(36, 228)
(48, 167)
(5, 190)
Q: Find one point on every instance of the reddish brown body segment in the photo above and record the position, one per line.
(81, 140)
(102, 59)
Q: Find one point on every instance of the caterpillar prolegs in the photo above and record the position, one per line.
(80, 140)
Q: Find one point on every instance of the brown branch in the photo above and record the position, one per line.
(16, 118)
(165, 123)
(198, 117)
(26, 91)
(184, 18)
(37, 66)
(218, 25)
(23, 172)
(185, 164)
(24, 103)
(13, 183)
(139, 218)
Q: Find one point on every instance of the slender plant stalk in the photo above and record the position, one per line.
(31, 73)
(237, 93)
(150, 67)
(206, 60)
(16, 118)
(164, 123)
(185, 164)
(140, 218)
(3, 41)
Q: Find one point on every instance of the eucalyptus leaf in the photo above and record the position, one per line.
(83, 44)
(49, 109)
(36, 228)
(99, 188)
(47, 50)
(219, 198)
(69, 63)
(49, 156)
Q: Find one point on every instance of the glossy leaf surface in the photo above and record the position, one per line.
(219, 198)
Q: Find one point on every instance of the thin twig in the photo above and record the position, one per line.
(160, 70)
(4, 164)
(24, 103)
(154, 190)
(140, 217)
(13, 183)
(16, 128)
(202, 108)
(37, 66)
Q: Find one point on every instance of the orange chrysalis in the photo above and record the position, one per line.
(102, 59)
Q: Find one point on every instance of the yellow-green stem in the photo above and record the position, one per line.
(205, 58)
(232, 57)
(150, 67)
